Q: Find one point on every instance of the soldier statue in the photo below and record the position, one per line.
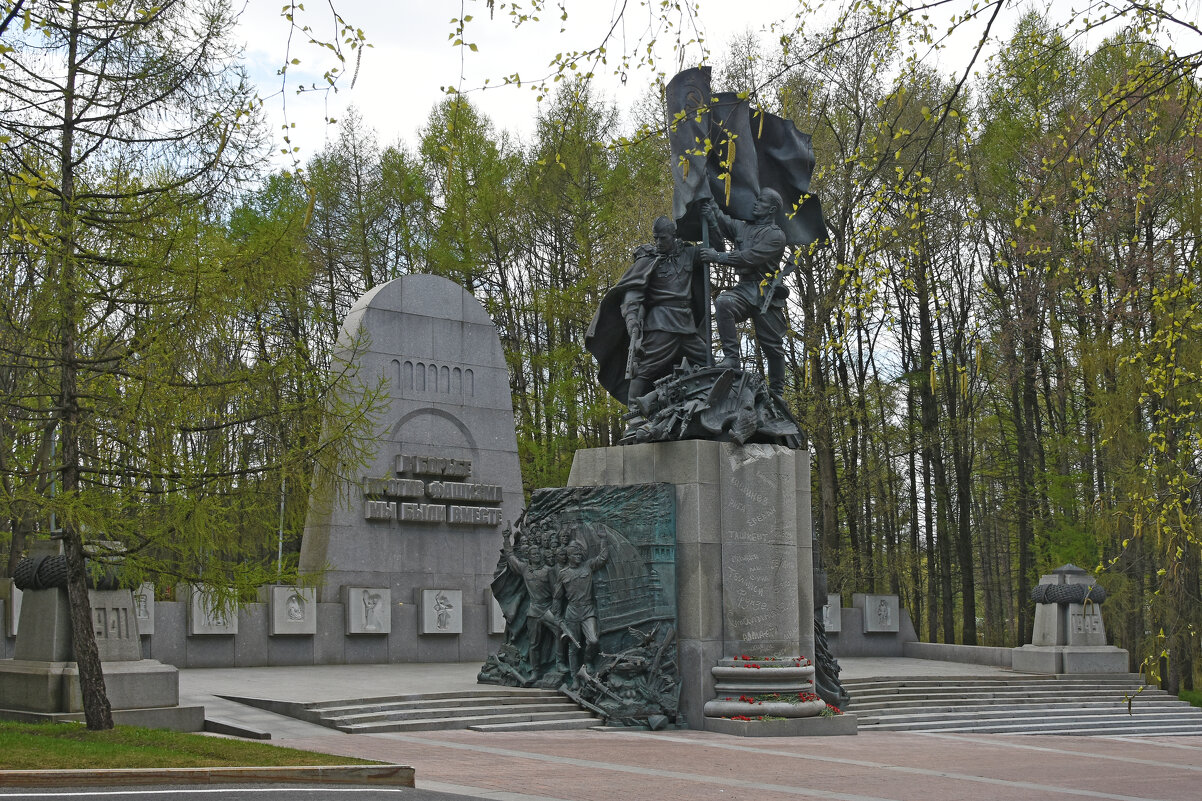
(655, 316)
(755, 257)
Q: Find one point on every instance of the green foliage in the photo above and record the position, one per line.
(160, 392)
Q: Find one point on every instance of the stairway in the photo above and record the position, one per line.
(499, 709)
(1021, 704)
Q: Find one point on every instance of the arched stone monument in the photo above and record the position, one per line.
(422, 523)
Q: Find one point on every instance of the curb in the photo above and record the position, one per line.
(372, 775)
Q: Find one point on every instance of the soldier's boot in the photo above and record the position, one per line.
(573, 665)
(728, 334)
(638, 387)
(776, 373)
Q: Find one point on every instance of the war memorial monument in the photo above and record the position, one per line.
(710, 453)
(669, 582)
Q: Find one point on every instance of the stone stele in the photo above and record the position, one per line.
(42, 682)
(1069, 637)
(427, 512)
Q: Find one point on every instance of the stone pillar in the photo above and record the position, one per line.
(1068, 635)
(42, 682)
(743, 548)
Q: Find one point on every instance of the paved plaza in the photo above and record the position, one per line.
(624, 764)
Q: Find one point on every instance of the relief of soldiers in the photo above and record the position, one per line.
(537, 577)
(562, 543)
(579, 620)
(755, 257)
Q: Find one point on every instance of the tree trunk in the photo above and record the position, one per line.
(96, 707)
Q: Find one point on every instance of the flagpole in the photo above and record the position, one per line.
(706, 319)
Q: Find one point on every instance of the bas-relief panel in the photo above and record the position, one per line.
(206, 617)
(12, 609)
(368, 610)
(881, 613)
(832, 613)
(442, 611)
(144, 608)
(114, 626)
(293, 611)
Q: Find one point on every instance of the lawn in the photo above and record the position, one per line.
(1193, 696)
(65, 746)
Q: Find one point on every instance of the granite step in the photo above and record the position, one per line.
(1068, 724)
(465, 721)
(490, 692)
(1158, 729)
(1075, 705)
(428, 712)
(1025, 713)
(1047, 683)
(344, 708)
(1018, 705)
(539, 725)
(528, 709)
(1028, 697)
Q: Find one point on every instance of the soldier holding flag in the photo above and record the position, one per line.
(758, 247)
(745, 175)
(661, 303)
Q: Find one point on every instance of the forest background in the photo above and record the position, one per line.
(996, 360)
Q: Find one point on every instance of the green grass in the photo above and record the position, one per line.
(60, 746)
(1193, 696)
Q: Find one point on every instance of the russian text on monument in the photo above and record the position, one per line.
(402, 499)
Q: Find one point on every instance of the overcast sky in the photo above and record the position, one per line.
(401, 75)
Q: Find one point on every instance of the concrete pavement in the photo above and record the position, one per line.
(678, 765)
(675, 766)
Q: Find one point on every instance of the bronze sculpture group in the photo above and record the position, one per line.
(742, 177)
(651, 334)
(581, 584)
(741, 201)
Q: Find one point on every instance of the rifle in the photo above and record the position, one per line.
(632, 355)
(777, 280)
(707, 324)
(564, 632)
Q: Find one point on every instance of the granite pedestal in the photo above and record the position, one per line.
(1069, 637)
(42, 682)
(743, 548)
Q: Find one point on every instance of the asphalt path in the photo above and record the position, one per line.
(236, 792)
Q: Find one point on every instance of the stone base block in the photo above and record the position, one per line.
(53, 687)
(1095, 659)
(1060, 659)
(175, 718)
(790, 727)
